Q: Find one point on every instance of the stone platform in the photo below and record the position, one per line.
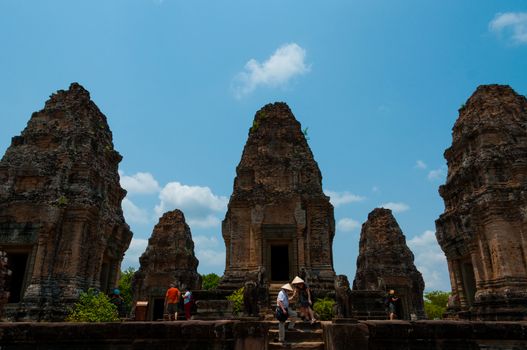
(238, 335)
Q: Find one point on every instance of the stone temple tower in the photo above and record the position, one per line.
(483, 229)
(385, 262)
(168, 258)
(279, 223)
(61, 222)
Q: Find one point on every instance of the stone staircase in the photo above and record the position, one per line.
(274, 289)
(304, 336)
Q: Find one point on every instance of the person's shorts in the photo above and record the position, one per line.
(391, 307)
(172, 308)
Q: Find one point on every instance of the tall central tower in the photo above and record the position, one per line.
(279, 223)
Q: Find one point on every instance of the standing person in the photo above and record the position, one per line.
(118, 301)
(283, 312)
(391, 303)
(304, 298)
(187, 302)
(171, 302)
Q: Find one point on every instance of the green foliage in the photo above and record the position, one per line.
(93, 307)
(62, 201)
(255, 126)
(237, 299)
(256, 122)
(210, 281)
(304, 131)
(125, 286)
(462, 106)
(435, 304)
(324, 308)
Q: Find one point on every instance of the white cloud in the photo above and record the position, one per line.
(134, 214)
(205, 242)
(285, 63)
(140, 183)
(211, 257)
(437, 174)
(207, 222)
(347, 224)
(430, 261)
(341, 198)
(135, 250)
(209, 251)
(420, 164)
(396, 207)
(198, 203)
(513, 23)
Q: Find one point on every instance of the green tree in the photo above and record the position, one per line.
(125, 286)
(210, 281)
(435, 304)
(237, 299)
(93, 306)
(324, 308)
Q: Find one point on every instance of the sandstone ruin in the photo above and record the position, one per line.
(61, 222)
(482, 230)
(5, 275)
(168, 258)
(385, 262)
(279, 223)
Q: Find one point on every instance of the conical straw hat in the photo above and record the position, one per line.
(297, 280)
(287, 286)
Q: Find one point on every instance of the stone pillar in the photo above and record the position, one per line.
(485, 196)
(279, 183)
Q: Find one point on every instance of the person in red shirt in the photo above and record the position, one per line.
(172, 301)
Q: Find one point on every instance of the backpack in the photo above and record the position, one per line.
(279, 314)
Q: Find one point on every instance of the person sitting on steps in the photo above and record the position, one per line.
(304, 298)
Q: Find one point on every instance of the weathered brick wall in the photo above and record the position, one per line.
(187, 335)
(239, 335)
(426, 335)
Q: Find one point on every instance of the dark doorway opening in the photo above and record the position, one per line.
(280, 263)
(105, 274)
(159, 309)
(16, 262)
(469, 282)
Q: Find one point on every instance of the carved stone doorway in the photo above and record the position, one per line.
(280, 262)
(469, 281)
(17, 263)
(158, 309)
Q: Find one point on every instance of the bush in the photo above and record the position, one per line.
(93, 307)
(435, 304)
(210, 281)
(125, 286)
(237, 300)
(324, 308)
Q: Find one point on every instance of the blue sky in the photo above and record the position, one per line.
(378, 84)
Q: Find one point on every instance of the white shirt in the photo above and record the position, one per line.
(283, 297)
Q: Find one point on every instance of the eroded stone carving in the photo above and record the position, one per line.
(482, 230)
(5, 274)
(343, 297)
(279, 221)
(61, 221)
(385, 262)
(168, 258)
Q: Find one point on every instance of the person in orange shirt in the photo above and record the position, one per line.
(172, 301)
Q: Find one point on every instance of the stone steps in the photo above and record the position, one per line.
(274, 289)
(304, 335)
(315, 345)
(298, 335)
